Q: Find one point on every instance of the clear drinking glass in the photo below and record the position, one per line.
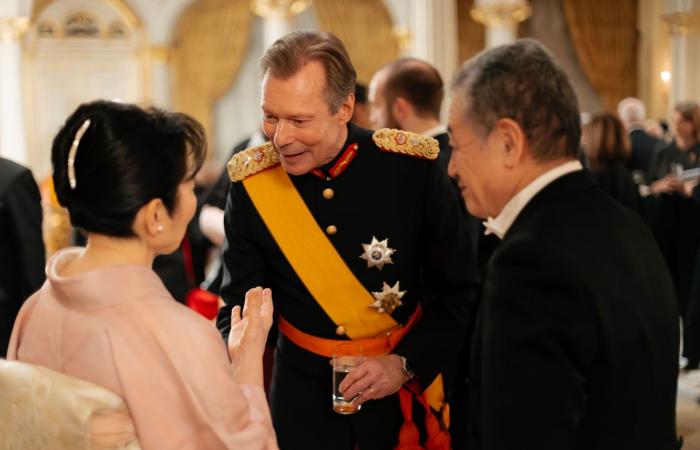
(346, 357)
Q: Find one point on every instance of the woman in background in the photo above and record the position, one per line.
(682, 153)
(126, 176)
(676, 221)
(608, 149)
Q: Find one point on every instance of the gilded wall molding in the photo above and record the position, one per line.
(501, 14)
(403, 36)
(13, 28)
(129, 16)
(682, 23)
(159, 53)
(278, 9)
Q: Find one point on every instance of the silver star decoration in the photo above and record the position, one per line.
(388, 299)
(377, 253)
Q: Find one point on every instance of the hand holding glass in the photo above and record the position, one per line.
(346, 357)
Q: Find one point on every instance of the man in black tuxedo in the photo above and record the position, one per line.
(21, 243)
(576, 339)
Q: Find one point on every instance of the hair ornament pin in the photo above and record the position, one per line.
(73, 150)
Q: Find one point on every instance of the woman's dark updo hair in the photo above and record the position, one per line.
(127, 157)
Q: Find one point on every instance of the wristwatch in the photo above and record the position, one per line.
(406, 367)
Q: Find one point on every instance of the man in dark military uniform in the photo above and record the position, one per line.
(360, 237)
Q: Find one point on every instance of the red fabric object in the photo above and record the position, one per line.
(198, 299)
(204, 302)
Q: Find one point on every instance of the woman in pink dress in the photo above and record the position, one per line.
(126, 176)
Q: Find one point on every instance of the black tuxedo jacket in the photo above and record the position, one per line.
(21, 243)
(576, 341)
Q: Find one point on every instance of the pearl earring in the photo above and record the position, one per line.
(159, 228)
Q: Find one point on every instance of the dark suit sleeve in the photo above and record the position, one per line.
(537, 343)
(243, 261)
(24, 205)
(451, 280)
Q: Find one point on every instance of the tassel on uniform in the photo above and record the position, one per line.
(438, 438)
(409, 438)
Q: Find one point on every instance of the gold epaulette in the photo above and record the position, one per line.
(407, 143)
(251, 161)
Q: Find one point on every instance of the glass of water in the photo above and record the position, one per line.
(346, 357)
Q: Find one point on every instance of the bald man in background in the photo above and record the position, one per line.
(407, 94)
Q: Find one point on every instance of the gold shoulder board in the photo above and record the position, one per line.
(251, 161)
(407, 143)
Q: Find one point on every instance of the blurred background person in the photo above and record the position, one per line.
(676, 217)
(360, 115)
(21, 243)
(657, 129)
(608, 149)
(681, 153)
(126, 176)
(211, 217)
(632, 113)
(407, 94)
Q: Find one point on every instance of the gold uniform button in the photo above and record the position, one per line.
(328, 193)
(340, 331)
(331, 229)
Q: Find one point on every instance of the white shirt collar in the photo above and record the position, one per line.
(436, 130)
(501, 224)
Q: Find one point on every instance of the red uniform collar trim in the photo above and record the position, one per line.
(340, 165)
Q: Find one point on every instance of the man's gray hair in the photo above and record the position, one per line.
(522, 82)
(290, 53)
(631, 110)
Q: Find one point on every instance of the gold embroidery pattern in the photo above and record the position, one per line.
(406, 143)
(251, 161)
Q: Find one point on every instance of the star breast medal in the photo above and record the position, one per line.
(377, 253)
(388, 299)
